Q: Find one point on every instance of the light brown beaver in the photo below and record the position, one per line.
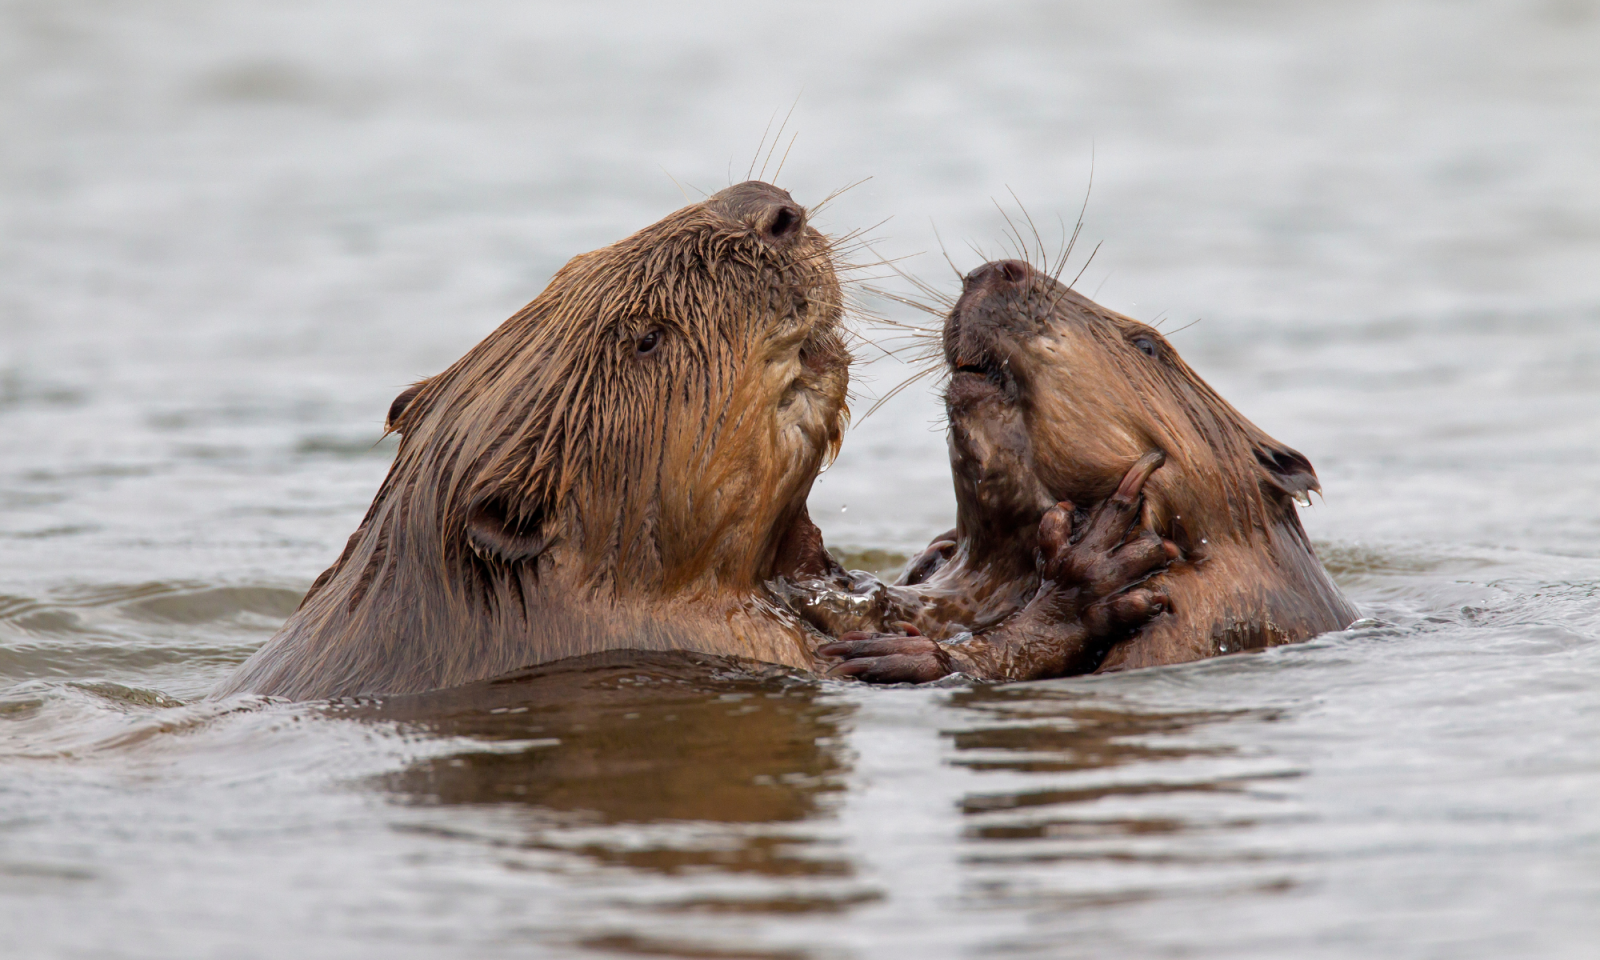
(615, 466)
(1055, 398)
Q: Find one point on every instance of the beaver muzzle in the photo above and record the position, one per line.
(980, 337)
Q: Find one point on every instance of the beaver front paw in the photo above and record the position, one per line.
(906, 657)
(1098, 573)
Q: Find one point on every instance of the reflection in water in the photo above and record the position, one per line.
(634, 737)
(702, 795)
(1083, 802)
(673, 765)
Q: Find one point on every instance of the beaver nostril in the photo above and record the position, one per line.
(1013, 270)
(783, 223)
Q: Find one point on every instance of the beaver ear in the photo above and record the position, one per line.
(1287, 470)
(397, 409)
(497, 532)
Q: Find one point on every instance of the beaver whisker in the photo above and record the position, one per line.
(881, 261)
(1066, 246)
(1025, 252)
(817, 207)
(859, 317)
(908, 331)
(1044, 261)
(915, 334)
(920, 374)
(857, 335)
(844, 261)
(851, 237)
(785, 158)
(918, 351)
(1019, 248)
(1085, 265)
(942, 251)
(943, 300)
(750, 174)
(919, 338)
(776, 137)
(675, 183)
(870, 279)
(1066, 255)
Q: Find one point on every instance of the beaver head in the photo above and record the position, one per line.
(647, 428)
(656, 412)
(1054, 397)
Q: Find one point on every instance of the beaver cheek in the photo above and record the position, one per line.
(1082, 440)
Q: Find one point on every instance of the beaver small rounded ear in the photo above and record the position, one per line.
(497, 532)
(392, 423)
(1287, 471)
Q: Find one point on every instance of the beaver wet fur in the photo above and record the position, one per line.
(1052, 397)
(615, 466)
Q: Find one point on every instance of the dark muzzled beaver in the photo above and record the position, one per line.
(615, 466)
(1055, 398)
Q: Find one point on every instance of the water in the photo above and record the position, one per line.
(233, 231)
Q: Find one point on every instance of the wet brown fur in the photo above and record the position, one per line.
(557, 492)
(1091, 402)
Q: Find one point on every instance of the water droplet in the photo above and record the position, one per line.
(844, 509)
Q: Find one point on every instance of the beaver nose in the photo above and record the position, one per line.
(1009, 272)
(773, 214)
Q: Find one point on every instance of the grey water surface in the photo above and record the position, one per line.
(231, 231)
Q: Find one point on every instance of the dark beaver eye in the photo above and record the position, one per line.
(647, 344)
(1145, 345)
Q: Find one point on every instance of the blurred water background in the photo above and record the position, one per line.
(231, 231)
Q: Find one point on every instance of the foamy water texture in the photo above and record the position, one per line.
(230, 232)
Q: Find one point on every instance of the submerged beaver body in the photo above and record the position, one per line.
(616, 466)
(1053, 398)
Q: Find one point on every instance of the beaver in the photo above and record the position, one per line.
(1052, 397)
(615, 466)
(623, 464)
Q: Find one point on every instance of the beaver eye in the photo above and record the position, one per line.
(647, 344)
(1146, 346)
